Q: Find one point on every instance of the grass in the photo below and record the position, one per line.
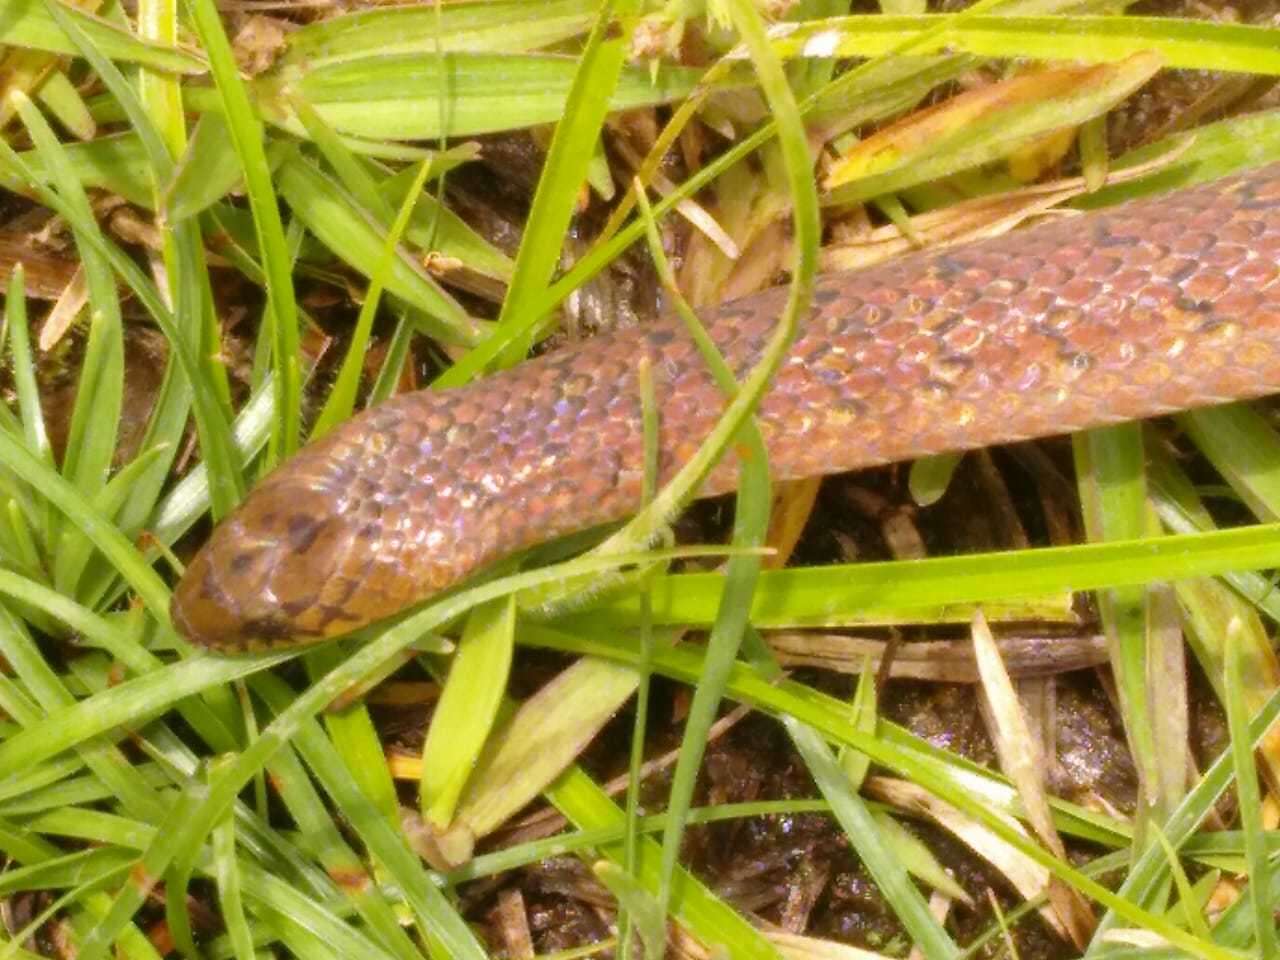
(134, 770)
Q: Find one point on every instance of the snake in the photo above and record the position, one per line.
(1136, 310)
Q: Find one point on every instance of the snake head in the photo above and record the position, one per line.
(277, 571)
(357, 527)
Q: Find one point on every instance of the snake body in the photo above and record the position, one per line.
(1142, 309)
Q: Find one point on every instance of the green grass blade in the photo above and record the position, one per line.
(247, 137)
(342, 398)
(356, 741)
(88, 455)
(513, 26)
(189, 498)
(188, 287)
(1243, 447)
(29, 24)
(468, 708)
(230, 887)
(874, 848)
(338, 222)
(105, 536)
(1150, 870)
(397, 97)
(1179, 42)
(115, 163)
(994, 132)
(642, 909)
(207, 169)
(1113, 492)
(28, 394)
(944, 588)
(563, 174)
(1249, 796)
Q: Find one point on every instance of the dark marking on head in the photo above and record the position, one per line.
(303, 530)
(295, 608)
(273, 630)
(331, 614)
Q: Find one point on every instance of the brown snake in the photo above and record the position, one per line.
(1142, 309)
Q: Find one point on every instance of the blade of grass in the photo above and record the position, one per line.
(313, 819)
(641, 908)
(227, 875)
(1113, 492)
(899, 591)
(28, 394)
(105, 760)
(874, 848)
(63, 101)
(539, 740)
(29, 24)
(630, 926)
(338, 222)
(1192, 916)
(342, 397)
(563, 174)
(1248, 794)
(88, 455)
(1149, 871)
(247, 138)
(1180, 42)
(122, 646)
(104, 535)
(509, 25)
(396, 97)
(978, 127)
(115, 163)
(914, 764)
(849, 87)
(381, 910)
(1243, 447)
(467, 710)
